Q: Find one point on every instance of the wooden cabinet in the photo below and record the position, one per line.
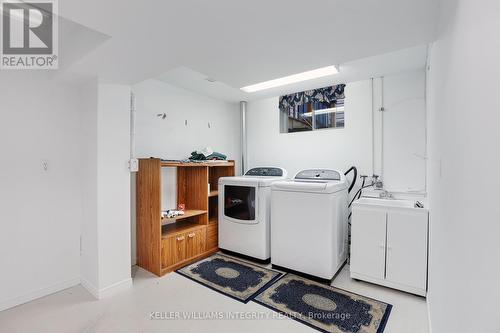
(195, 242)
(165, 244)
(179, 247)
(389, 247)
(173, 250)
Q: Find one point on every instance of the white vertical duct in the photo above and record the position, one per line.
(382, 109)
(132, 125)
(373, 126)
(243, 111)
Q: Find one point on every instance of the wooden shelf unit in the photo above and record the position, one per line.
(165, 244)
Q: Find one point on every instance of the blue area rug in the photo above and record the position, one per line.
(323, 307)
(234, 278)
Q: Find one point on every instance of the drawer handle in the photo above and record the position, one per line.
(180, 238)
(191, 235)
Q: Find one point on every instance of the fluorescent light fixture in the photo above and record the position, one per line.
(304, 76)
(324, 111)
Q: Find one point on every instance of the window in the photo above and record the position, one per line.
(312, 110)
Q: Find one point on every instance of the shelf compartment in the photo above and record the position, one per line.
(187, 214)
(173, 229)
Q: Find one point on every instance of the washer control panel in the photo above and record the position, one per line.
(269, 172)
(319, 174)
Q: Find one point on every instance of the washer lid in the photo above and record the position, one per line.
(263, 177)
(318, 174)
(266, 172)
(314, 181)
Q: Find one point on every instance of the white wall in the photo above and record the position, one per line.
(330, 148)
(106, 265)
(463, 169)
(404, 134)
(40, 211)
(113, 179)
(172, 138)
(89, 269)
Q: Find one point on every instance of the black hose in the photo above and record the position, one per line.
(358, 193)
(362, 185)
(353, 168)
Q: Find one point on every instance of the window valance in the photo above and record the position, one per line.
(325, 96)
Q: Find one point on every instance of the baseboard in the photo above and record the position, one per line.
(32, 295)
(115, 288)
(107, 291)
(89, 287)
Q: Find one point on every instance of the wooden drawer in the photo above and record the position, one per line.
(173, 250)
(212, 236)
(195, 242)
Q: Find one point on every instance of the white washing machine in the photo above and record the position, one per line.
(244, 211)
(309, 229)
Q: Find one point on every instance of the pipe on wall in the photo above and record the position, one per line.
(243, 111)
(132, 125)
(373, 125)
(382, 110)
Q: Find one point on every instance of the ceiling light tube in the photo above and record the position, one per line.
(304, 76)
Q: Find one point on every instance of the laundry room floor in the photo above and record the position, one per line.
(173, 296)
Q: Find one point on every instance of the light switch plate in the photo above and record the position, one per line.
(133, 165)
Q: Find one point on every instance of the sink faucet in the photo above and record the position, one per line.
(377, 182)
(385, 194)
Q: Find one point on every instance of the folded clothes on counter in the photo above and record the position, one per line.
(207, 154)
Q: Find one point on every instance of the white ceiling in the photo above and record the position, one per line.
(390, 63)
(239, 43)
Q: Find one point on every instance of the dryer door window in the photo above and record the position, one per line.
(239, 202)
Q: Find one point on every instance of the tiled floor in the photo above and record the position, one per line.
(75, 310)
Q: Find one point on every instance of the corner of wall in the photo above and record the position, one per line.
(107, 291)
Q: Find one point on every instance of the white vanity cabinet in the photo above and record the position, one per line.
(389, 244)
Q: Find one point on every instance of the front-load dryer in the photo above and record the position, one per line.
(309, 229)
(244, 211)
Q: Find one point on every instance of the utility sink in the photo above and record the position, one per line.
(387, 203)
(389, 243)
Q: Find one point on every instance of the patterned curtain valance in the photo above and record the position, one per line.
(326, 95)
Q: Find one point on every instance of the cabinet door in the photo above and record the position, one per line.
(407, 249)
(173, 250)
(368, 229)
(196, 241)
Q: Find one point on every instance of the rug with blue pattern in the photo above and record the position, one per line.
(238, 279)
(323, 307)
